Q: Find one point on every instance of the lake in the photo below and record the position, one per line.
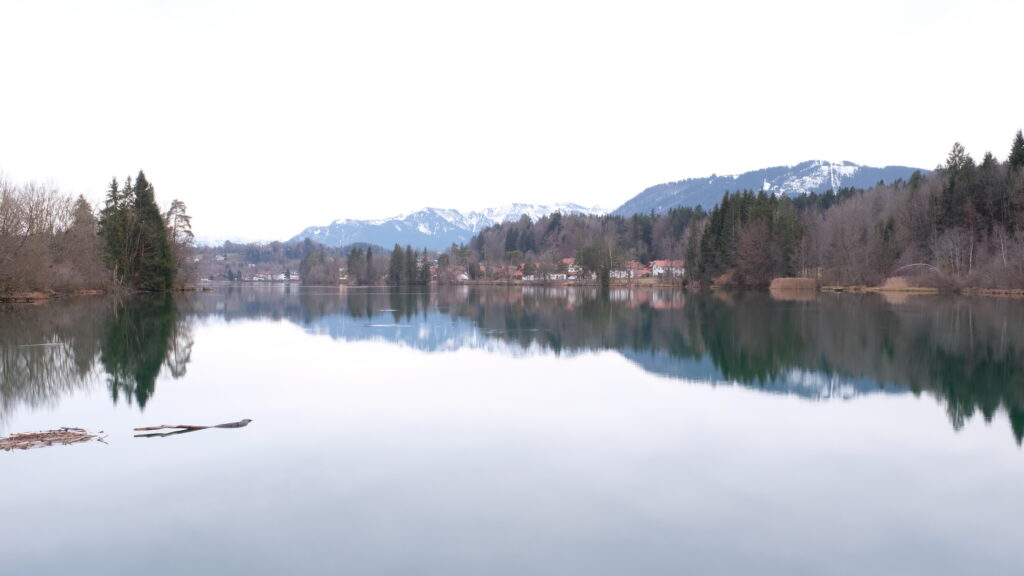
(499, 430)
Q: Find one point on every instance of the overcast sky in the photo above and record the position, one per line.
(266, 118)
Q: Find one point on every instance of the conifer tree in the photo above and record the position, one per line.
(134, 236)
(113, 227)
(356, 262)
(1016, 159)
(396, 267)
(152, 262)
(181, 240)
(409, 274)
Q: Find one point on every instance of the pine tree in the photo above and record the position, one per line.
(956, 189)
(134, 236)
(396, 267)
(113, 226)
(152, 263)
(355, 264)
(409, 274)
(1016, 159)
(181, 240)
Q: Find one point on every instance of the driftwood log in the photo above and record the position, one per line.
(63, 436)
(183, 428)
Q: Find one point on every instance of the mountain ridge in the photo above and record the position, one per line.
(437, 228)
(433, 228)
(816, 176)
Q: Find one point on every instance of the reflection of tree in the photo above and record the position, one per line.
(47, 351)
(967, 352)
(140, 336)
(179, 352)
(407, 302)
(51, 351)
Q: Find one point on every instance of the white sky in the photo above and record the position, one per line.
(266, 118)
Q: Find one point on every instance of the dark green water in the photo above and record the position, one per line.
(515, 431)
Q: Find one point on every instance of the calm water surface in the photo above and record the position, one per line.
(515, 431)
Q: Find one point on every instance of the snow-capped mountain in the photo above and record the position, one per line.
(434, 228)
(813, 176)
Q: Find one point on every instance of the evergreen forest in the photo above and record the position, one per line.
(958, 226)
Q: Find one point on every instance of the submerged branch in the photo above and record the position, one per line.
(183, 428)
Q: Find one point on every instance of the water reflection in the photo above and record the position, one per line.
(969, 353)
(47, 352)
(59, 348)
(142, 335)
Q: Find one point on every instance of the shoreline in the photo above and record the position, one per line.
(41, 296)
(924, 291)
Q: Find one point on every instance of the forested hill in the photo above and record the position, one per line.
(813, 176)
(958, 227)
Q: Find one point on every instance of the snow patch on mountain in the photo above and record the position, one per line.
(434, 228)
(815, 176)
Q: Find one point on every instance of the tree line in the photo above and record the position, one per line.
(47, 240)
(322, 265)
(598, 244)
(958, 226)
(50, 241)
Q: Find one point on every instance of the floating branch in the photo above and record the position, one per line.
(183, 428)
(63, 436)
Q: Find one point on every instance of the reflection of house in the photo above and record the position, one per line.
(668, 268)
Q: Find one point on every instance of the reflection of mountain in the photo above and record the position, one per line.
(640, 325)
(802, 383)
(969, 353)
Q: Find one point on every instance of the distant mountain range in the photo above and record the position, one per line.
(438, 228)
(433, 228)
(812, 176)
